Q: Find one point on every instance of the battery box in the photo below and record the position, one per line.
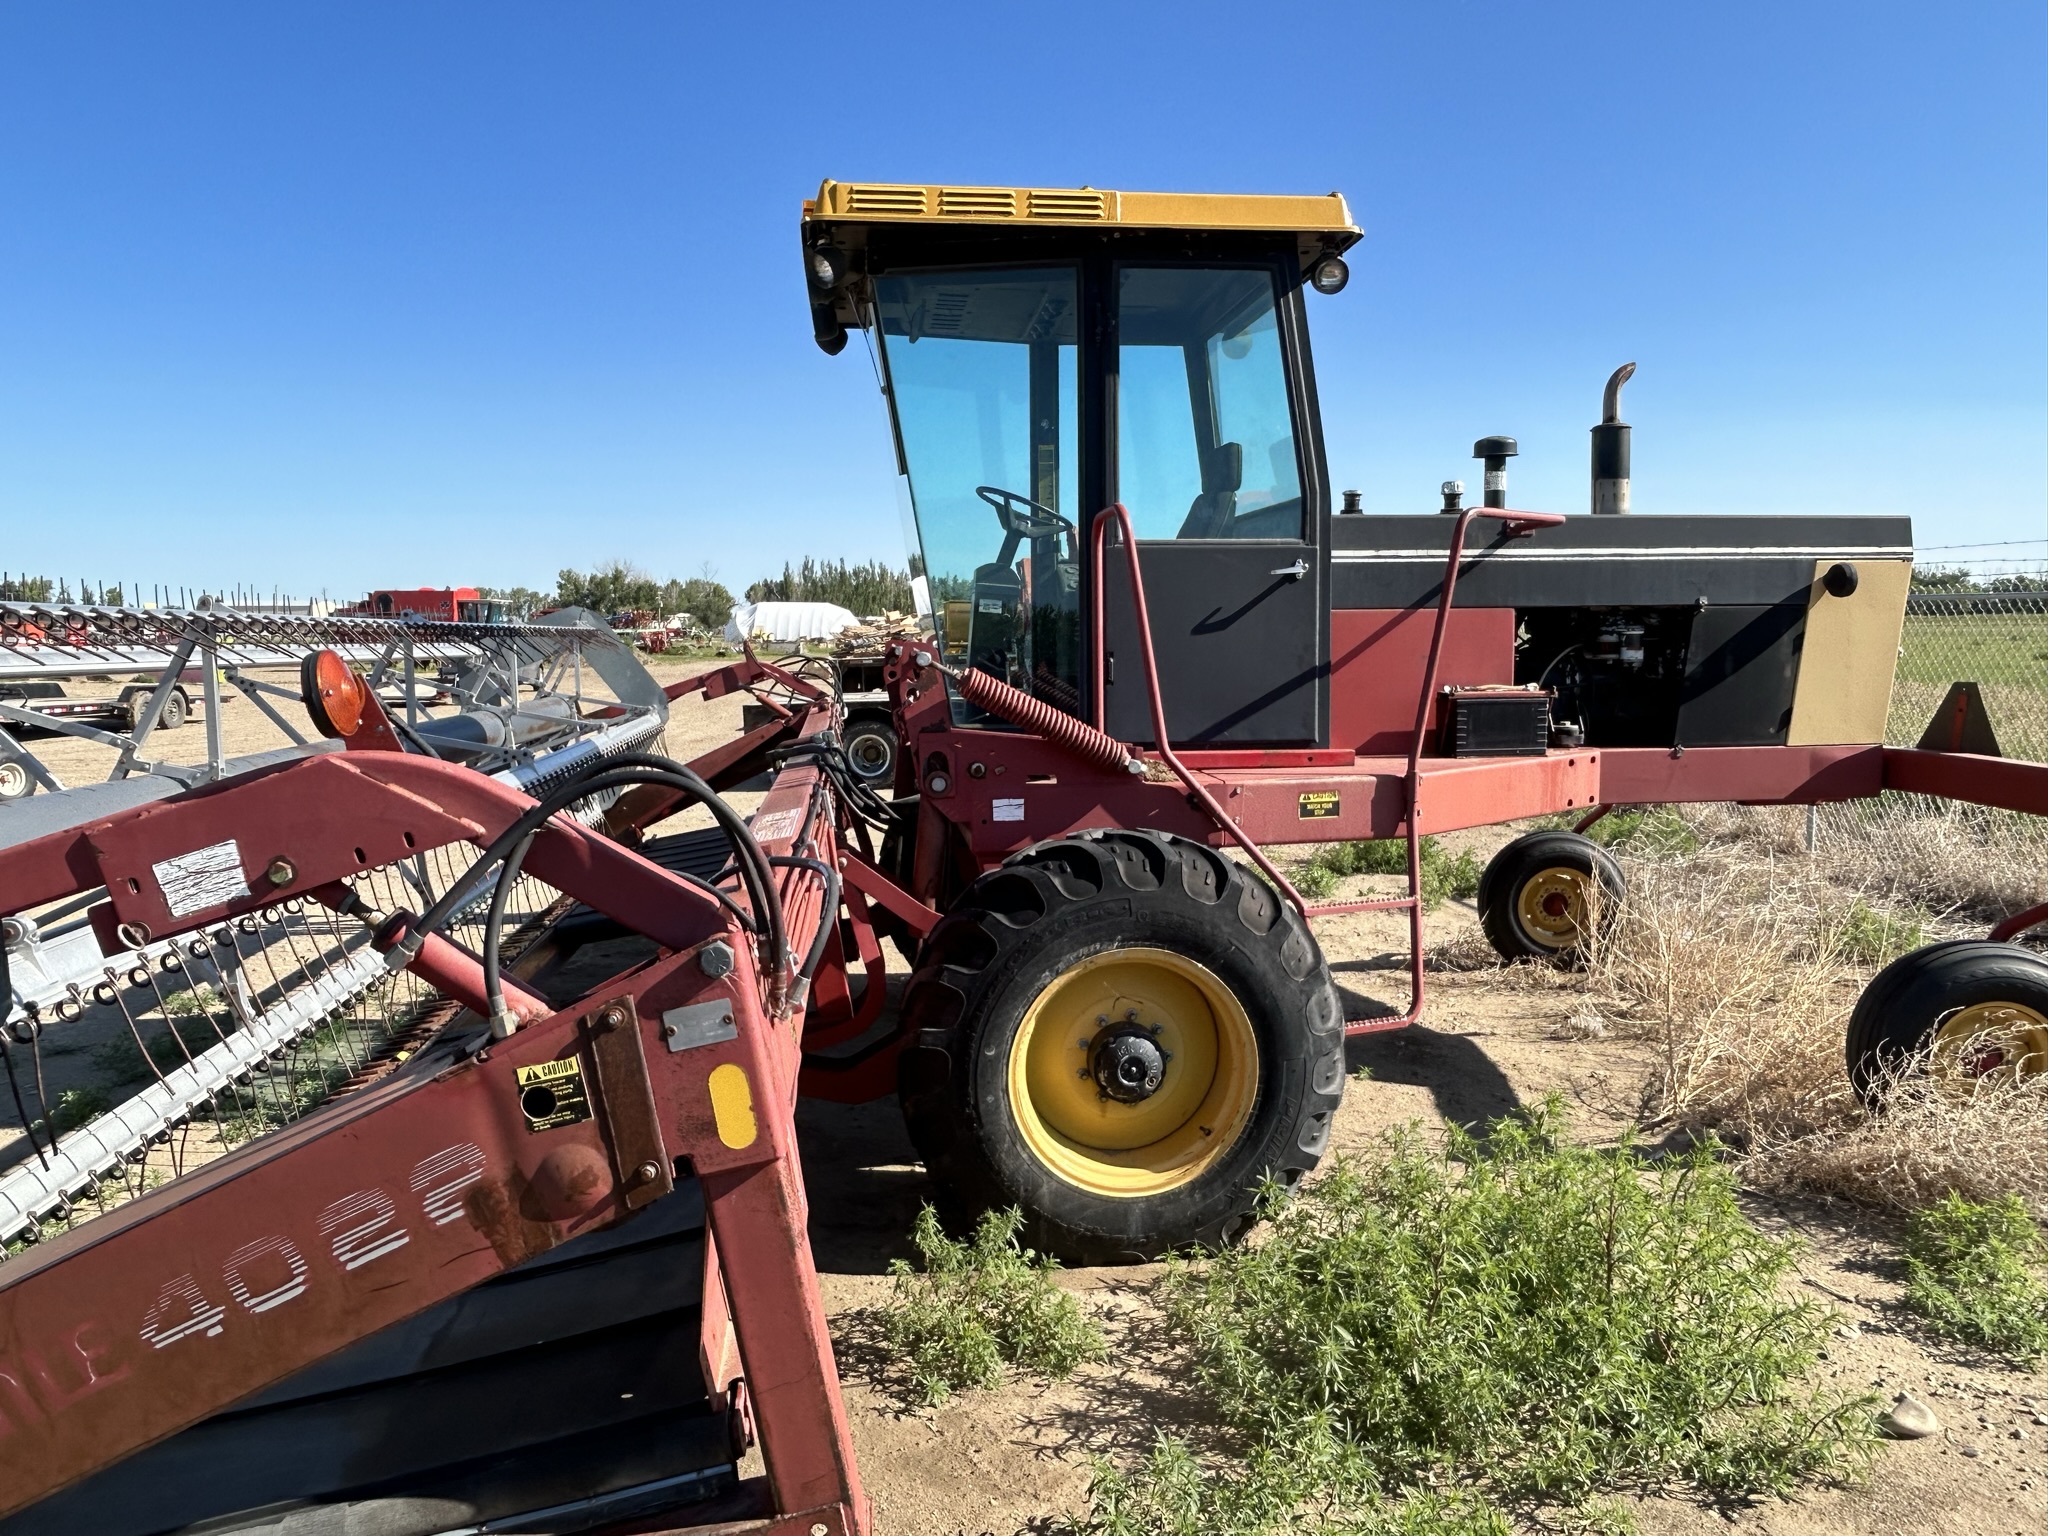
(1495, 722)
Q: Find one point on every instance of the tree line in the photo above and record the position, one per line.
(1956, 578)
(868, 588)
(620, 586)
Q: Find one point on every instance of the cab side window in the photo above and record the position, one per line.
(1205, 427)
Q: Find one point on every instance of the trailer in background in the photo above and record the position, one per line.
(448, 605)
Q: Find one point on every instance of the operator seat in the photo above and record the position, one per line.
(1210, 514)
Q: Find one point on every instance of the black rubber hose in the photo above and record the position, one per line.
(753, 864)
(636, 768)
(828, 914)
(7, 1054)
(859, 796)
(494, 925)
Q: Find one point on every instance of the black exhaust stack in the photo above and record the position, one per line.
(1610, 448)
(1496, 451)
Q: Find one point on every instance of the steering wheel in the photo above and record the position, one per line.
(1022, 516)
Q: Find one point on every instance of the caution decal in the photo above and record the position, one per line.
(1318, 804)
(551, 1094)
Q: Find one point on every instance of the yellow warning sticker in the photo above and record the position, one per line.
(732, 1105)
(551, 1094)
(1319, 803)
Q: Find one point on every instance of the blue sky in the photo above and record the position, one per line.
(331, 297)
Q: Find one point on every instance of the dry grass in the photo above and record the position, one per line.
(1942, 855)
(1938, 855)
(1940, 1135)
(1771, 829)
(1723, 959)
(1465, 950)
(1741, 963)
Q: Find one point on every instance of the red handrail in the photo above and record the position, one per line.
(1519, 524)
(1164, 747)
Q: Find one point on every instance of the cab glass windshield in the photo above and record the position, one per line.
(982, 377)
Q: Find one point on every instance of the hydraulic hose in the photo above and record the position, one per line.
(608, 775)
(827, 914)
(602, 774)
(7, 1055)
(501, 1020)
(858, 796)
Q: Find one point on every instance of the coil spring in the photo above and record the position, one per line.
(1055, 725)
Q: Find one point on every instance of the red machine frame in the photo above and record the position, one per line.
(1069, 771)
(197, 1294)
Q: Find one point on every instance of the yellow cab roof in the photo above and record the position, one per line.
(868, 202)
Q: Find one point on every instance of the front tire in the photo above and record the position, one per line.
(16, 782)
(1985, 1001)
(1542, 893)
(1125, 1034)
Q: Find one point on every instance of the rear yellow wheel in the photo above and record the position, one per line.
(2002, 1040)
(1543, 894)
(1132, 1072)
(1551, 907)
(1966, 1008)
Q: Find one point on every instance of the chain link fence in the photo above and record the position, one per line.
(1998, 641)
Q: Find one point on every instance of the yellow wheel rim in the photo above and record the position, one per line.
(2001, 1040)
(1551, 906)
(1206, 1092)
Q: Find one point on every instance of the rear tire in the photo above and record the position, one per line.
(1540, 891)
(177, 708)
(1089, 957)
(1951, 993)
(871, 749)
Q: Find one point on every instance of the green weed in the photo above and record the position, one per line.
(1870, 935)
(1315, 881)
(1975, 1272)
(1653, 829)
(75, 1106)
(199, 999)
(1443, 874)
(982, 1305)
(1313, 1484)
(1532, 1322)
(117, 1058)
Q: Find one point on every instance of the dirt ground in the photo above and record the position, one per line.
(1016, 1459)
(1006, 1461)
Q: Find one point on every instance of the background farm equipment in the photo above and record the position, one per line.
(502, 697)
(445, 605)
(48, 699)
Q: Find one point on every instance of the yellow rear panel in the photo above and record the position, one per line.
(1850, 654)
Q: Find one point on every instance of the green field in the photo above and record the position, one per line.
(2005, 653)
(1985, 648)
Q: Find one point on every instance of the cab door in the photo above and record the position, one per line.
(1213, 453)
